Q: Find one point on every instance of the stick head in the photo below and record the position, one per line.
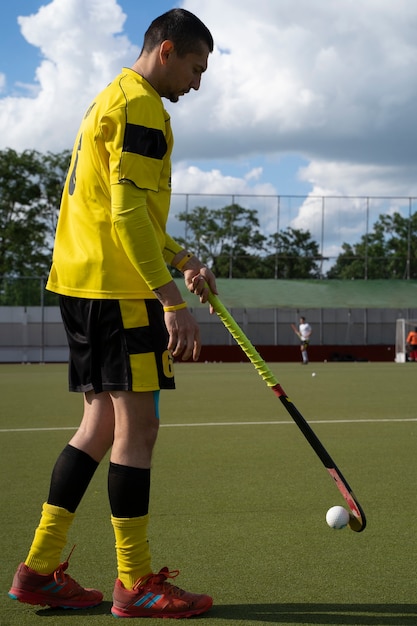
(357, 519)
(356, 524)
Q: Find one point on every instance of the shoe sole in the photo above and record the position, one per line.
(27, 597)
(116, 612)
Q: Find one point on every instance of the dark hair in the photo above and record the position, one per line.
(184, 29)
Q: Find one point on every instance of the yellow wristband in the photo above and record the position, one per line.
(183, 261)
(175, 307)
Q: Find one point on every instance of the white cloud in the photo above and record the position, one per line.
(191, 179)
(328, 80)
(254, 174)
(212, 189)
(332, 82)
(359, 179)
(82, 49)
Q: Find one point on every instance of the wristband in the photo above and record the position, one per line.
(175, 307)
(183, 261)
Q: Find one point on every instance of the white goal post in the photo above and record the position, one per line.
(402, 328)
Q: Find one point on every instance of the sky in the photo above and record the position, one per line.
(300, 98)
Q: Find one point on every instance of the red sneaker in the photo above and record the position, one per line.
(152, 596)
(54, 590)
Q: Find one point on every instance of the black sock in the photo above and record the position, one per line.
(128, 490)
(71, 476)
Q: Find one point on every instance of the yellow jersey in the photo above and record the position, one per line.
(125, 137)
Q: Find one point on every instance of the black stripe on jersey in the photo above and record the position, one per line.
(148, 142)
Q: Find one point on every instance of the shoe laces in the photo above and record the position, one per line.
(59, 574)
(160, 579)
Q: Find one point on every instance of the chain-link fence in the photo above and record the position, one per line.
(26, 291)
(332, 222)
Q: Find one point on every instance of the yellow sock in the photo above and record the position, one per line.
(132, 548)
(50, 539)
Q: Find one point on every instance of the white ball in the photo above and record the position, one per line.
(313, 373)
(337, 517)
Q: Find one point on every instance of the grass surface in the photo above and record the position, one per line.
(239, 497)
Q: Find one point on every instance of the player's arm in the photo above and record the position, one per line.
(137, 236)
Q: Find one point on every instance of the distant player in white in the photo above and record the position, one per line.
(304, 332)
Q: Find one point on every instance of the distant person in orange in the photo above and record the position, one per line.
(411, 343)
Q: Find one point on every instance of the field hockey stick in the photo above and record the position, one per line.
(357, 519)
(295, 329)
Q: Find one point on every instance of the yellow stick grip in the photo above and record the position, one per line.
(243, 341)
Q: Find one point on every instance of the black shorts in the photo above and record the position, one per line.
(117, 345)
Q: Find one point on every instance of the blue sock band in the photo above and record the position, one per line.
(156, 401)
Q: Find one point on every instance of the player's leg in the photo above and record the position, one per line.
(138, 592)
(71, 475)
(304, 354)
(149, 367)
(36, 579)
(136, 429)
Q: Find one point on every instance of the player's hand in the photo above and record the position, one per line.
(184, 335)
(201, 282)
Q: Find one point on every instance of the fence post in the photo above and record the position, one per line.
(42, 347)
(366, 240)
(408, 263)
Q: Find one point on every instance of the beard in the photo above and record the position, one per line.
(172, 97)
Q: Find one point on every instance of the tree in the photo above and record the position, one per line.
(388, 252)
(227, 239)
(295, 255)
(22, 230)
(30, 191)
(201, 227)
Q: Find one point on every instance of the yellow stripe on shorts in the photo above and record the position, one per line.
(150, 370)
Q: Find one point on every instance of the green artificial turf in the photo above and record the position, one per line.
(238, 496)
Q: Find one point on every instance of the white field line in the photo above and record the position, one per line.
(269, 423)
